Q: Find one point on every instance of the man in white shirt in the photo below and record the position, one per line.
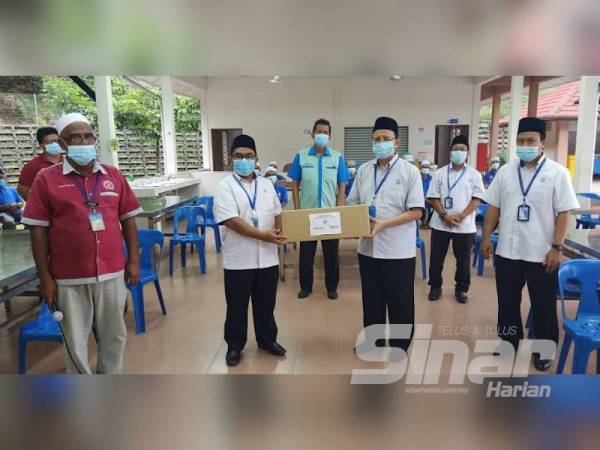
(532, 198)
(455, 193)
(393, 190)
(248, 206)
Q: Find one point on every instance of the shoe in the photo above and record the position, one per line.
(273, 348)
(435, 293)
(303, 293)
(461, 297)
(233, 357)
(332, 295)
(541, 364)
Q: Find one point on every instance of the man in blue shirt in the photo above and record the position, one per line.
(321, 173)
(11, 204)
(426, 180)
(488, 177)
(282, 195)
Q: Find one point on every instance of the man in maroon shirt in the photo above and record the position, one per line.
(79, 212)
(49, 143)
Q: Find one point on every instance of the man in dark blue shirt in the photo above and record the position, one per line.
(11, 203)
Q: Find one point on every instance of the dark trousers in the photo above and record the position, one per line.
(331, 256)
(511, 276)
(388, 284)
(462, 245)
(260, 285)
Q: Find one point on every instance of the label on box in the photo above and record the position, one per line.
(325, 223)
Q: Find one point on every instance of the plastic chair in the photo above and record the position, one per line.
(209, 221)
(189, 215)
(421, 247)
(479, 259)
(584, 330)
(480, 214)
(43, 328)
(149, 269)
(587, 221)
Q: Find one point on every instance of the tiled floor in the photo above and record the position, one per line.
(318, 333)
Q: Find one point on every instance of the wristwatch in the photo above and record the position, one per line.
(442, 215)
(558, 247)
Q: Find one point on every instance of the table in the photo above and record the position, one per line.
(585, 241)
(157, 209)
(587, 206)
(18, 273)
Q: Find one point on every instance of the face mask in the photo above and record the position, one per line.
(527, 153)
(273, 178)
(3, 184)
(425, 170)
(458, 157)
(82, 154)
(53, 148)
(352, 171)
(495, 165)
(243, 167)
(321, 139)
(383, 150)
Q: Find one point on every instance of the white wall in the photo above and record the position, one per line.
(279, 115)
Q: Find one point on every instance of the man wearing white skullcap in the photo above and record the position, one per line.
(80, 211)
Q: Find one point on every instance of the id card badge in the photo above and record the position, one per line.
(254, 219)
(96, 221)
(373, 211)
(448, 202)
(523, 213)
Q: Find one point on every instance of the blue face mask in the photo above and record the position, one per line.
(244, 167)
(383, 150)
(321, 139)
(3, 183)
(458, 157)
(82, 154)
(53, 148)
(527, 153)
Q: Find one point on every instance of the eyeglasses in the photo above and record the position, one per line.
(382, 139)
(242, 156)
(80, 138)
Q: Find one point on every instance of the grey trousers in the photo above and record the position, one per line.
(100, 305)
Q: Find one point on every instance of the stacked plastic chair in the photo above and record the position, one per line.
(190, 216)
(207, 203)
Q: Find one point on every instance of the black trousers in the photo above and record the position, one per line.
(260, 285)
(462, 245)
(331, 256)
(388, 284)
(511, 276)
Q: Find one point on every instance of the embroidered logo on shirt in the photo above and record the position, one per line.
(108, 184)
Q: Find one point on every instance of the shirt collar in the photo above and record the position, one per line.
(313, 151)
(376, 164)
(68, 168)
(522, 164)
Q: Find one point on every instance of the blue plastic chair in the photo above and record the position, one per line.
(480, 214)
(209, 221)
(148, 240)
(43, 328)
(584, 330)
(189, 215)
(587, 221)
(479, 259)
(421, 247)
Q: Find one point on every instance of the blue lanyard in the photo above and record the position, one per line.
(387, 172)
(251, 201)
(462, 173)
(523, 190)
(89, 202)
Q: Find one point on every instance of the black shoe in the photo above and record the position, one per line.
(435, 293)
(461, 297)
(332, 295)
(233, 357)
(541, 364)
(272, 347)
(303, 293)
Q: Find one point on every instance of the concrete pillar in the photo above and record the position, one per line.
(106, 121)
(516, 94)
(474, 128)
(495, 126)
(206, 140)
(534, 94)
(168, 125)
(562, 142)
(586, 133)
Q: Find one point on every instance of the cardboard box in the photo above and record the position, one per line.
(326, 223)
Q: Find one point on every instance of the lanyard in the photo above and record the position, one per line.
(462, 173)
(387, 172)
(526, 191)
(251, 201)
(89, 202)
